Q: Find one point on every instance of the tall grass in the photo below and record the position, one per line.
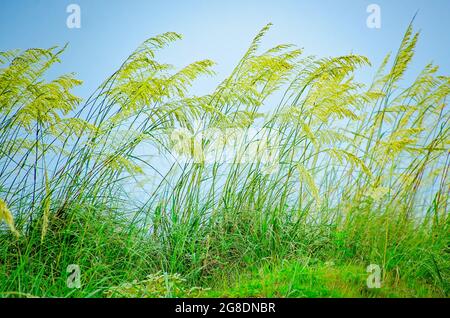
(358, 174)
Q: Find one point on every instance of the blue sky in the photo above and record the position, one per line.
(220, 30)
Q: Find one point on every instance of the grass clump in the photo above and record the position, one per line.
(294, 201)
(293, 278)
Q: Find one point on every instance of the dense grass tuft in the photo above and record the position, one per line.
(296, 201)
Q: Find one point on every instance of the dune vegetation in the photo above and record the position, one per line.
(338, 174)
